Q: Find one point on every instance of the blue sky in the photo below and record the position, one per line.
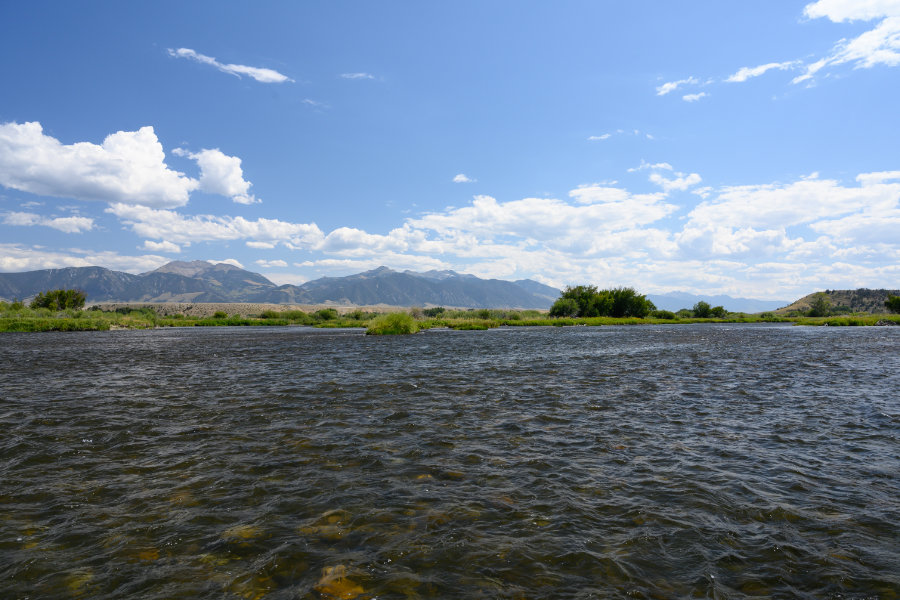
(744, 148)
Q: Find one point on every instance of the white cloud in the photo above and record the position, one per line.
(745, 73)
(129, 167)
(163, 246)
(462, 178)
(259, 74)
(221, 174)
(674, 85)
(267, 264)
(357, 76)
(228, 261)
(878, 46)
(645, 165)
(595, 138)
(681, 181)
(694, 97)
(17, 257)
(64, 224)
(260, 245)
(177, 228)
(315, 104)
(852, 10)
(867, 179)
(775, 206)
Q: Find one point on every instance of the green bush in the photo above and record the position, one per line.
(434, 312)
(220, 314)
(893, 304)
(326, 314)
(718, 312)
(59, 299)
(392, 324)
(662, 314)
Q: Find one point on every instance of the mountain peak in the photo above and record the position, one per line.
(192, 268)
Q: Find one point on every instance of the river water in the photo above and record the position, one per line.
(710, 461)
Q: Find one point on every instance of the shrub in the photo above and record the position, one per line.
(220, 314)
(326, 314)
(392, 324)
(434, 312)
(893, 304)
(416, 312)
(564, 307)
(820, 306)
(269, 314)
(662, 314)
(59, 299)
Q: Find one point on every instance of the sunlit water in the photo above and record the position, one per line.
(649, 462)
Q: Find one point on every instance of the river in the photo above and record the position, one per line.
(711, 461)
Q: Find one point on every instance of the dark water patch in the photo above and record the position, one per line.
(669, 461)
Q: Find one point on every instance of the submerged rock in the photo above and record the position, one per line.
(335, 584)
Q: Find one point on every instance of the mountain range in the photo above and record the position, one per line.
(677, 300)
(200, 281)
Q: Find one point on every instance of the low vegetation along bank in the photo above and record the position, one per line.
(583, 305)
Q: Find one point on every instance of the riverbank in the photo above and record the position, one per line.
(144, 316)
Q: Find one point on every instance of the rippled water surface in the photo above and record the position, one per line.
(650, 462)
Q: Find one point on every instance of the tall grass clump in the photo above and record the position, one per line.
(392, 324)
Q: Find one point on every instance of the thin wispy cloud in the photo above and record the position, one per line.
(357, 76)
(694, 97)
(595, 138)
(260, 74)
(745, 73)
(674, 85)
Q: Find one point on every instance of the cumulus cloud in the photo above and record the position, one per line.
(680, 182)
(18, 257)
(177, 228)
(694, 97)
(745, 73)
(259, 74)
(462, 178)
(852, 10)
(163, 246)
(268, 264)
(64, 224)
(674, 85)
(129, 167)
(221, 174)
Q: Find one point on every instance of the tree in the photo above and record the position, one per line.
(820, 306)
(702, 310)
(59, 299)
(893, 304)
(587, 301)
(718, 312)
(564, 307)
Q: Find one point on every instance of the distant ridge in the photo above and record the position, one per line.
(677, 300)
(860, 300)
(201, 281)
